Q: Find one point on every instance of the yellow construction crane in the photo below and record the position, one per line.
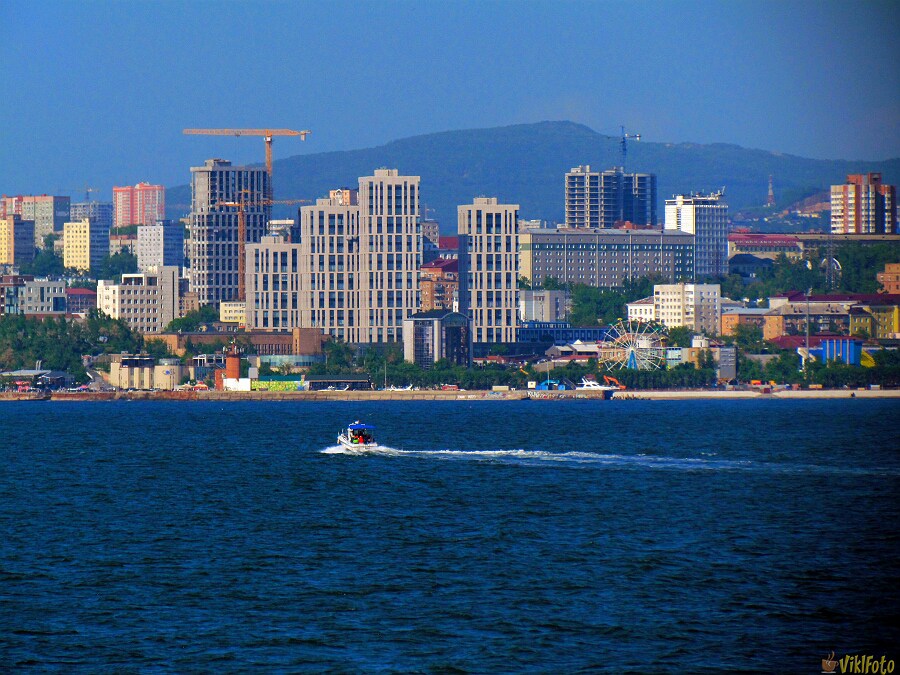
(242, 235)
(267, 134)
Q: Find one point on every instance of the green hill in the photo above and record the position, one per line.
(525, 164)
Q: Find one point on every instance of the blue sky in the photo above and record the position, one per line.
(98, 92)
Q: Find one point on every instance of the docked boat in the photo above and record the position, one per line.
(593, 385)
(606, 389)
(358, 436)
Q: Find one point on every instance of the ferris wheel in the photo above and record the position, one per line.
(635, 345)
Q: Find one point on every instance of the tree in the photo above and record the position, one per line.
(680, 336)
(749, 338)
(45, 264)
(114, 266)
(191, 321)
(553, 284)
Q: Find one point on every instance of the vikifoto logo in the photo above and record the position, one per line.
(858, 663)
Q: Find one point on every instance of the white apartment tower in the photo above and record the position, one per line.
(489, 268)
(330, 266)
(212, 243)
(390, 247)
(273, 285)
(706, 217)
(360, 255)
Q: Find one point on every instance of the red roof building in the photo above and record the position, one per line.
(80, 300)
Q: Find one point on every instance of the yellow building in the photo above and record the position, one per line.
(85, 244)
(233, 312)
(16, 240)
(886, 319)
(77, 245)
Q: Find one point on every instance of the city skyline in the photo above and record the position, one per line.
(674, 72)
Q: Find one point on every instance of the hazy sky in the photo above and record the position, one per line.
(98, 92)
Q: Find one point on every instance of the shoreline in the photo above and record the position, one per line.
(516, 395)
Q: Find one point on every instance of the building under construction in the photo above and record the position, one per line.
(217, 188)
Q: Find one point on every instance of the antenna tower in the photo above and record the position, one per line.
(770, 200)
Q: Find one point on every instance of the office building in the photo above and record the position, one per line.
(16, 240)
(141, 204)
(99, 212)
(863, 205)
(160, 245)
(147, 301)
(33, 297)
(489, 268)
(435, 335)
(705, 217)
(603, 198)
(604, 258)
(696, 306)
(85, 244)
(212, 241)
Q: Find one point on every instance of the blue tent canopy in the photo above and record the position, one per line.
(358, 426)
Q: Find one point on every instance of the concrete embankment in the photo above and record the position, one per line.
(429, 395)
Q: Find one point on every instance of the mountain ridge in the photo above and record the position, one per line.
(526, 163)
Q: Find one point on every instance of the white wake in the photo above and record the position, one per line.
(575, 457)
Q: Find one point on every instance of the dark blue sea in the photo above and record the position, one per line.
(486, 536)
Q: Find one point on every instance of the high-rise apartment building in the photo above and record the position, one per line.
(160, 245)
(141, 204)
(100, 212)
(489, 268)
(391, 253)
(705, 217)
(212, 241)
(604, 258)
(47, 212)
(85, 244)
(603, 198)
(273, 285)
(863, 205)
(360, 254)
(330, 267)
(16, 240)
(147, 301)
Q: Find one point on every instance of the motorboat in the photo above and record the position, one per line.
(358, 436)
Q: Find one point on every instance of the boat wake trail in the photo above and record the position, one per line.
(541, 457)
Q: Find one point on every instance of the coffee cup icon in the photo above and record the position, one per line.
(829, 664)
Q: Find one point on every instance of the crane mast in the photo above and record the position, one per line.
(624, 144)
(268, 135)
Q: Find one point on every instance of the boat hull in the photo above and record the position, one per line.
(345, 442)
